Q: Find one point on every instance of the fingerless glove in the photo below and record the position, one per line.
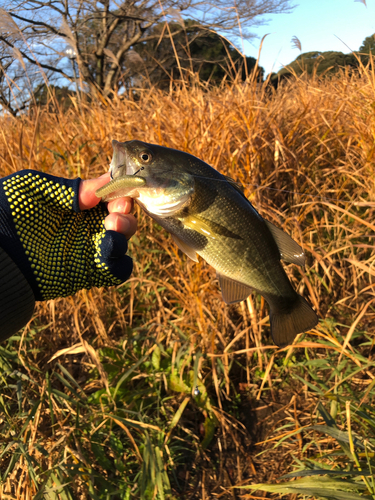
(58, 248)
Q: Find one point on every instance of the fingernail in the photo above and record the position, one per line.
(119, 206)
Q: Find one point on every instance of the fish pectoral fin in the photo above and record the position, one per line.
(200, 226)
(124, 186)
(208, 228)
(233, 291)
(289, 250)
(190, 252)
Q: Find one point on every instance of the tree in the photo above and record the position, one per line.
(197, 51)
(92, 39)
(316, 62)
(368, 45)
(16, 89)
(48, 95)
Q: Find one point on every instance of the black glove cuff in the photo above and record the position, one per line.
(113, 250)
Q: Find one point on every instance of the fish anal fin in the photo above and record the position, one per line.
(233, 291)
(289, 250)
(190, 252)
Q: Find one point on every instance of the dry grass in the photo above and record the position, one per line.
(306, 157)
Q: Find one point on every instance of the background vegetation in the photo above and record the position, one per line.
(156, 389)
(325, 63)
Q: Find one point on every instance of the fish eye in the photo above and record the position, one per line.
(145, 157)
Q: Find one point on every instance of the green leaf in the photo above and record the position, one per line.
(209, 432)
(116, 443)
(101, 457)
(29, 417)
(332, 424)
(159, 473)
(326, 416)
(57, 155)
(54, 490)
(334, 489)
(69, 386)
(119, 464)
(336, 434)
(317, 472)
(177, 384)
(127, 373)
(179, 412)
(155, 359)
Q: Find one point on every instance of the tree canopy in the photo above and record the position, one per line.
(326, 62)
(319, 63)
(97, 42)
(196, 51)
(368, 45)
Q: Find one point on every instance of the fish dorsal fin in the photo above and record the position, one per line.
(233, 291)
(190, 252)
(238, 186)
(289, 250)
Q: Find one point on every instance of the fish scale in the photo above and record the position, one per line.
(208, 214)
(248, 258)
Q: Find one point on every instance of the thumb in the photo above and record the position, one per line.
(86, 194)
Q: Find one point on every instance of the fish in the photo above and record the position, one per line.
(208, 214)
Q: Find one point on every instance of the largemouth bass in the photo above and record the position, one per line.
(208, 214)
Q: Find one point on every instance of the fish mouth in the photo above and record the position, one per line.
(120, 161)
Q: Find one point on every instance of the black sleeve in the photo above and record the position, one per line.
(16, 298)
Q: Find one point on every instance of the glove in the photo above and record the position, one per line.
(58, 248)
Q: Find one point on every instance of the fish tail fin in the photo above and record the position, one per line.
(286, 323)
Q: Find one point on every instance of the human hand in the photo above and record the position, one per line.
(119, 219)
(59, 234)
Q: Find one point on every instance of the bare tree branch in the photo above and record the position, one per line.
(92, 37)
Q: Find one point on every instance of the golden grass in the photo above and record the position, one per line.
(305, 155)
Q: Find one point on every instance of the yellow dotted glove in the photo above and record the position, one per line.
(58, 248)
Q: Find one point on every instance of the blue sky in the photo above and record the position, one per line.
(319, 24)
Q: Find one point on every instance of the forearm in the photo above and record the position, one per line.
(57, 238)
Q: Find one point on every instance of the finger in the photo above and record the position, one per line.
(125, 224)
(121, 205)
(86, 194)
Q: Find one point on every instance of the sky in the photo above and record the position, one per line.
(320, 25)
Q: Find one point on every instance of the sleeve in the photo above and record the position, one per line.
(16, 298)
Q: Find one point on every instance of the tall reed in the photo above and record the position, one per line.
(305, 154)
